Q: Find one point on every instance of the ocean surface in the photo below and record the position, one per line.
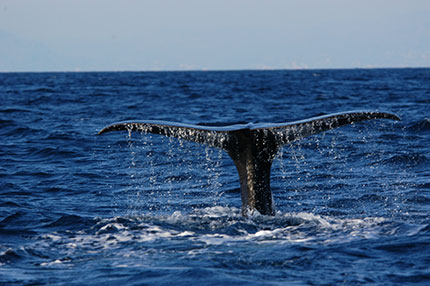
(353, 204)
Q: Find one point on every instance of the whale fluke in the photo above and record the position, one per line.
(251, 146)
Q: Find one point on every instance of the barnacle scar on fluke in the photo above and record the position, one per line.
(251, 146)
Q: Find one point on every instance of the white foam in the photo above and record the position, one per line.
(206, 229)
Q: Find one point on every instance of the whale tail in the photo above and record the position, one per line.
(251, 146)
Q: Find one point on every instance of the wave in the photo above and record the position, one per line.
(419, 126)
(207, 234)
(6, 123)
(9, 256)
(40, 152)
(409, 160)
(404, 247)
(418, 199)
(68, 222)
(10, 219)
(11, 129)
(220, 225)
(15, 224)
(40, 90)
(8, 110)
(8, 204)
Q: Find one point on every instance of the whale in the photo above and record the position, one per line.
(252, 146)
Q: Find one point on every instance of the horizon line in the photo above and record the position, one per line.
(212, 70)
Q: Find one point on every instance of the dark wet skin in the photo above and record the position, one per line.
(252, 147)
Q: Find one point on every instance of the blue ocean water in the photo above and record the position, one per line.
(353, 203)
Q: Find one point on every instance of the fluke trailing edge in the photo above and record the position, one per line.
(251, 146)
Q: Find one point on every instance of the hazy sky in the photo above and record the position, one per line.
(220, 34)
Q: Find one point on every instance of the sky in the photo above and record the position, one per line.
(144, 35)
